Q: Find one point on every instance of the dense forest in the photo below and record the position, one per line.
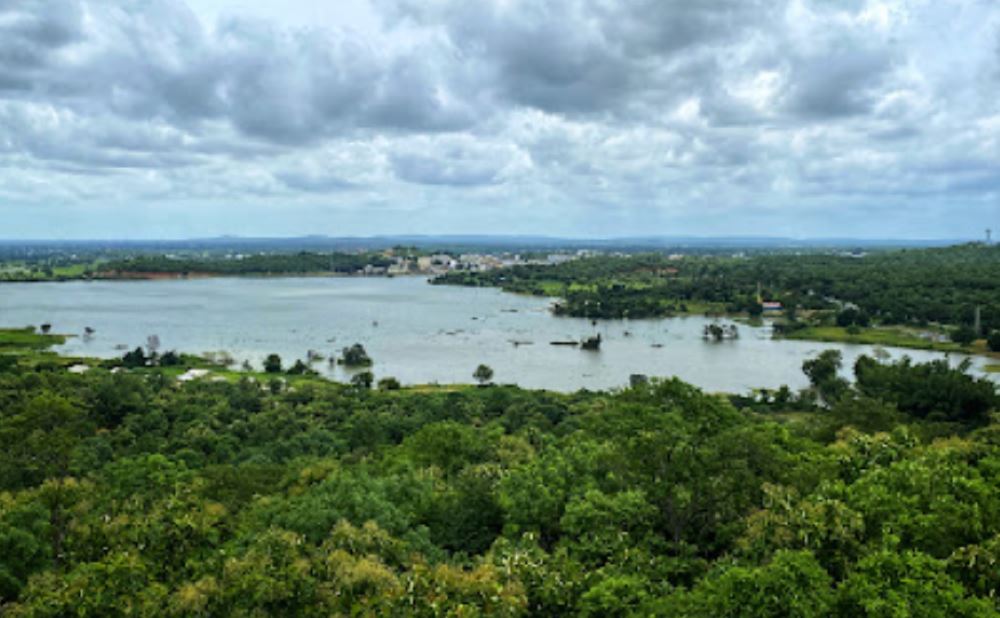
(916, 286)
(130, 494)
(253, 264)
(63, 268)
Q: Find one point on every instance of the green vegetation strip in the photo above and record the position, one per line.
(951, 290)
(22, 340)
(130, 493)
(892, 337)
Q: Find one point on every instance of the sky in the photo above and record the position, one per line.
(574, 118)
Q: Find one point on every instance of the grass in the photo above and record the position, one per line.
(74, 271)
(892, 337)
(992, 368)
(701, 308)
(24, 340)
(19, 271)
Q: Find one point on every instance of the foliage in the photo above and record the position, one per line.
(272, 364)
(389, 383)
(355, 356)
(963, 335)
(363, 380)
(993, 341)
(132, 494)
(483, 374)
(256, 264)
(910, 287)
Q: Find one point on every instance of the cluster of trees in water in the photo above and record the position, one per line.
(892, 287)
(252, 264)
(131, 494)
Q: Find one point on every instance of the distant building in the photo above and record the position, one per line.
(771, 306)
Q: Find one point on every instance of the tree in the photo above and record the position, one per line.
(638, 380)
(355, 356)
(888, 583)
(993, 342)
(822, 374)
(363, 380)
(389, 384)
(793, 584)
(824, 367)
(299, 369)
(483, 374)
(36, 446)
(963, 335)
(135, 358)
(170, 358)
(852, 317)
(272, 364)
(928, 390)
(37, 440)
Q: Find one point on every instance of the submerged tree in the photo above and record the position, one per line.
(355, 356)
(483, 374)
(272, 364)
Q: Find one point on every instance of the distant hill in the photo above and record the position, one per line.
(469, 242)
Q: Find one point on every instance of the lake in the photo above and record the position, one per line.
(416, 332)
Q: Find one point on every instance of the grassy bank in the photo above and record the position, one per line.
(889, 336)
(24, 340)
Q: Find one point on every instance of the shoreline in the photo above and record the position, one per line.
(182, 276)
(887, 336)
(890, 337)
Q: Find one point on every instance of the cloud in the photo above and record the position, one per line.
(578, 116)
(456, 162)
(32, 40)
(314, 182)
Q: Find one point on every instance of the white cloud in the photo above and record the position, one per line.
(572, 116)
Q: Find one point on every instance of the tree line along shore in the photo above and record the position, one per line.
(944, 299)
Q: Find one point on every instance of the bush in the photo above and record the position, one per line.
(993, 341)
(300, 369)
(388, 384)
(853, 317)
(355, 356)
(170, 358)
(272, 364)
(135, 358)
(363, 380)
(963, 335)
(483, 374)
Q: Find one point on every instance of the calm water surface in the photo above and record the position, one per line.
(414, 331)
